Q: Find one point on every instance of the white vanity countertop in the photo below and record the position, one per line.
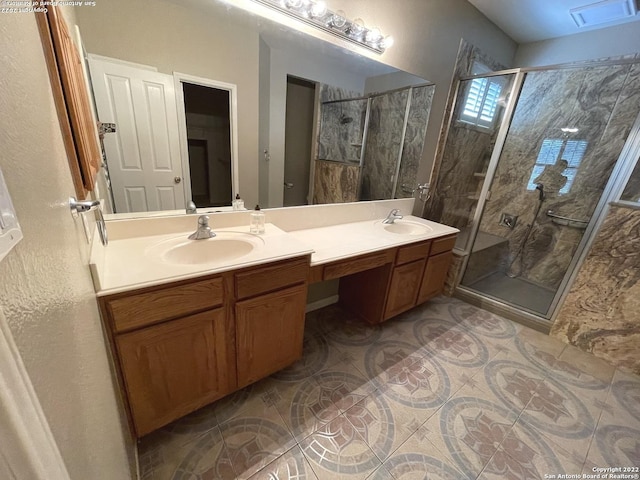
(130, 263)
(134, 257)
(337, 242)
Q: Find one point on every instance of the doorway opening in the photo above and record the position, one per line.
(208, 126)
(298, 146)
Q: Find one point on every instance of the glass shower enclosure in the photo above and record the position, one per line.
(527, 158)
(373, 144)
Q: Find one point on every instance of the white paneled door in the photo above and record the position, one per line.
(143, 156)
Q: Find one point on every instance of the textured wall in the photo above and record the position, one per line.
(46, 291)
(600, 313)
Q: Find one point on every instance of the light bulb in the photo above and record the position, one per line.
(338, 19)
(357, 27)
(293, 3)
(386, 42)
(318, 9)
(373, 35)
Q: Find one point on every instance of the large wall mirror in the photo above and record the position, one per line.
(209, 101)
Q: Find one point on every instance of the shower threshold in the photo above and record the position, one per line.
(515, 291)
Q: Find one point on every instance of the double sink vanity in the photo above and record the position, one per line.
(190, 321)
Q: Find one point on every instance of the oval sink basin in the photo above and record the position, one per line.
(406, 228)
(222, 248)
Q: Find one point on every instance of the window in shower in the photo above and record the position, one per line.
(569, 152)
(481, 102)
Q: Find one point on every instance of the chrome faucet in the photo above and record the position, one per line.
(204, 230)
(393, 216)
(191, 207)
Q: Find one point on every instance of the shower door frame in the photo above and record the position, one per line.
(619, 173)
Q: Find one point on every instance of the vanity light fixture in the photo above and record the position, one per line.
(316, 13)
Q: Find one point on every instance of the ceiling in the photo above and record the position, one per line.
(533, 20)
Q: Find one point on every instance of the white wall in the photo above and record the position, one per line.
(391, 81)
(172, 38)
(607, 42)
(46, 292)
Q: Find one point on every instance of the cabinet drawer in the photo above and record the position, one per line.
(275, 277)
(142, 309)
(342, 268)
(416, 251)
(444, 244)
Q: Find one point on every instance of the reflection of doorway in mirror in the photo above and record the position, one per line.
(298, 147)
(143, 155)
(209, 144)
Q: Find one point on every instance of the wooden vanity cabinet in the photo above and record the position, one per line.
(435, 274)
(175, 368)
(269, 333)
(403, 289)
(412, 274)
(181, 346)
(270, 318)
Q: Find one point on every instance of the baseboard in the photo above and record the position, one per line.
(323, 302)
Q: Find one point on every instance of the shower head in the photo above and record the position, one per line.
(540, 188)
(344, 119)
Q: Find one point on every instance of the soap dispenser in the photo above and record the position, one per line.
(257, 221)
(238, 203)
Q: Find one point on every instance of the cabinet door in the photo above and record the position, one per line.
(434, 276)
(403, 291)
(175, 368)
(269, 331)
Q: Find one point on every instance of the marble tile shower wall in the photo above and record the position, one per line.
(416, 131)
(467, 152)
(600, 314)
(467, 55)
(602, 102)
(341, 131)
(340, 139)
(335, 150)
(335, 182)
(384, 140)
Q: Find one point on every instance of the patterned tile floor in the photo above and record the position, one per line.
(445, 391)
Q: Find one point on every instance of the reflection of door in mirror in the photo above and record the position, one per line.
(298, 143)
(209, 148)
(143, 155)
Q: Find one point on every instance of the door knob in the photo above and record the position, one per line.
(288, 185)
(177, 179)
